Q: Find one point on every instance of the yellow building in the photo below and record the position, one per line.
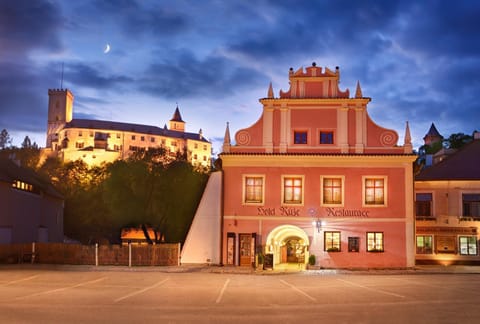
(97, 141)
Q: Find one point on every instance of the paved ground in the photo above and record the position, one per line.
(73, 294)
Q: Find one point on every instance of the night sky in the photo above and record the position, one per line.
(419, 61)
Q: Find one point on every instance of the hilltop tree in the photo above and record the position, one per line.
(5, 139)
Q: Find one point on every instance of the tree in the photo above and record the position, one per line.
(26, 142)
(5, 139)
(457, 140)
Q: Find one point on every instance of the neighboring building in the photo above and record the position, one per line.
(31, 210)
(97, 141)
(447, 196)
(313, 176)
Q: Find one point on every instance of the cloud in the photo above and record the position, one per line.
(27, 26)
(90, 76)
(184, 76)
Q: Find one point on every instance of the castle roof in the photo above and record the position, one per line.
(176, 116)
(433, 132)
(103, 125)
(462, 165)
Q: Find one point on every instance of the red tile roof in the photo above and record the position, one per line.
(462, 165)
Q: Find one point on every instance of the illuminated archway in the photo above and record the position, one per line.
(282, 240)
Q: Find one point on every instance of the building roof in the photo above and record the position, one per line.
(462, 165)
(11, 171)
(433, 132)
(104, 125)
(176, 116)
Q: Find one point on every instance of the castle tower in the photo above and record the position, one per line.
(60, 112)
(433, 136)
(176, 123)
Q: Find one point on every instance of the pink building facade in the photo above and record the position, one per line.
(315, 176)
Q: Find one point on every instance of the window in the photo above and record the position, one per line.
(173, 143)
(204, 147)
(424, 244)
(133, 137)
(194, 156)
(79, 133)
(353, 244)
(332, 241)
(22, 185)
(292, 190)
(195, 146)
(471, 205)
(423, 204)
(300, 137)
(374, 193)
(117, 147)
(118, 135)
(332, 190)
(152, 139)
(468, 245)
(142, 138)
(253, 189)
(79, 144)
(374, 242)
(326, 137)
(91, 134)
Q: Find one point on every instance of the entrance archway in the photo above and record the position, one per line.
(288, 244)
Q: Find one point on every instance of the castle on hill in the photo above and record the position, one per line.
(97, 141)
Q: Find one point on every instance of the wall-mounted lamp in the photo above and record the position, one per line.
(318, 224)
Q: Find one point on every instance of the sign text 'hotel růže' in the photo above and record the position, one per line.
(328, 212)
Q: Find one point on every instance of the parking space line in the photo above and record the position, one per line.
(219, 298)
(19, 280)
(62, 289)
(141, 290)
(370, 288)
(298, 290)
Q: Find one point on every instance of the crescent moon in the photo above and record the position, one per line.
(107, 49)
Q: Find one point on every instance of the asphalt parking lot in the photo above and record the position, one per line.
(79, 295)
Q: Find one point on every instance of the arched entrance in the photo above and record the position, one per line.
(288, 244)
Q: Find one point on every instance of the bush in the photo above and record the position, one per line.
(312, 260)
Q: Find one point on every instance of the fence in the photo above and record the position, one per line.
(122, 255)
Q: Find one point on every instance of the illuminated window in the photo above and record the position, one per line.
(424, 244)
(353, 244)
(20, 185)
(471, 205)
(374, 242)
(300, 137)
(326, 137)
(253, 189)
(468, 245)
(332, 241)
(332, 190)
(292, 190)
(374, 193)
(423, 204)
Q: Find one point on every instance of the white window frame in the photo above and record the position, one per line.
(385, 191)
(301, 203)
(322, 178)
(244, 188)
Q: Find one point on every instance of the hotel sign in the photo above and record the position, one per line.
(329, 212)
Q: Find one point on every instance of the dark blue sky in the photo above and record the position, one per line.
(418, 60)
